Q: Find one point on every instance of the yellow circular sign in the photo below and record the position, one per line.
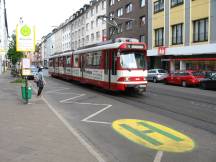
(153, 135)
(25, 30)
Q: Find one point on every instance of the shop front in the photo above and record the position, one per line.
(197, 57)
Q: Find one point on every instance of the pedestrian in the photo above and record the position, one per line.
(40, 81)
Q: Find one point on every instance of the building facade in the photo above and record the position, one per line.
(3, 36)
(81, 29)
(95, 29)
(131, 17)
(181, 34)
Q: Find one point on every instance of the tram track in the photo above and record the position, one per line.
(149, 103)
(153, 106)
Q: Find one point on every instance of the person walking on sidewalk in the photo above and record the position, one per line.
(40, 81)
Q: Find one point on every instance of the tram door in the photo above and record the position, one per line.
(110, 67)
(107, 72)
(82, 68)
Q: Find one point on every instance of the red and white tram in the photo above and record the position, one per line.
(117, 66)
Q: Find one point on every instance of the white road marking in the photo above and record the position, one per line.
(87, 119)
(81, 139)
(70, 100)
(61, 89)
(158, 156)
(62, 101)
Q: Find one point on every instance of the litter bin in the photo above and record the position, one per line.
(24, 95)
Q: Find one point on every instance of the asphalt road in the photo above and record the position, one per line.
(149, 133)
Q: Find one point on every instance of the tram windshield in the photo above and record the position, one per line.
(132, 60)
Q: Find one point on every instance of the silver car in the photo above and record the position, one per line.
(157, 75)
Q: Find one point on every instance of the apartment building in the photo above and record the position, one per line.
(95, 29)
(3, 36)
(86, 28)
(131, 17)
(78, 28)
(181, 34)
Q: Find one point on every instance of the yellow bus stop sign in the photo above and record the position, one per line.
(153, 135)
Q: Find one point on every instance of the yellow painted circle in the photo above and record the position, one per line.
(153, 135)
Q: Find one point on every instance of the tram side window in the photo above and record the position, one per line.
(93, 59)
(96, 59)
(68, 60)
(114, 60)
(76, 60)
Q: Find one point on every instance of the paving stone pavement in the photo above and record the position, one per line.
(32, 132)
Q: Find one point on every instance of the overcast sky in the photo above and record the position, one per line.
(44, 14)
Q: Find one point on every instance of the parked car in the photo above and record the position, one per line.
(208, 83)
(156, 75)
(185, 78)
(208, 74)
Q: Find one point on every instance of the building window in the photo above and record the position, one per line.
(92, 37)
(120, 28)
(200, 30)
(104, 32)
(103, 5)
(142, 3)
(87, 26)
(176, 2)
(129, 25)
(97, 9)
(120, 12)
(177, 34)
(159, 36)
(111, 15)
(142, 20)
(142, 38)
(158, 6)
(92, 24)
(87, 38)
(129, 8)
(111, 31)
(111, 2)
(98, 35)
(92, 12)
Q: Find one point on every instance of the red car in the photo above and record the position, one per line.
(185, 78)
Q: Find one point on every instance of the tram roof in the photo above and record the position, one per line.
(97, 47)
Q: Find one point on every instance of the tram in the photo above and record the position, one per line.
(117, 65)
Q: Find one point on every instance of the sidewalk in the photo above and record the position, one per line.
(32, 132)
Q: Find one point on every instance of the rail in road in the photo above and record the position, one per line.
(192, 109)
(143, 131)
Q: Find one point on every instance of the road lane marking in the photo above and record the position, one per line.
(87, 119)
(158, 156)
(54, 91)
(153, 135)
(65, 100)
(70, 100)
(78, 135)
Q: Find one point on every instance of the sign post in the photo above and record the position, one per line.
(25, 72)
(25, 42)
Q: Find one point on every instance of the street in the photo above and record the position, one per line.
(108, 121)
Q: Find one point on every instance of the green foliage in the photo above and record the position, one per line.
(13, 55)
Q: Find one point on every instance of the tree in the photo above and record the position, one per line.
(12, 54)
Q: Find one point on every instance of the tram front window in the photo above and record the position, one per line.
(132, 60)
